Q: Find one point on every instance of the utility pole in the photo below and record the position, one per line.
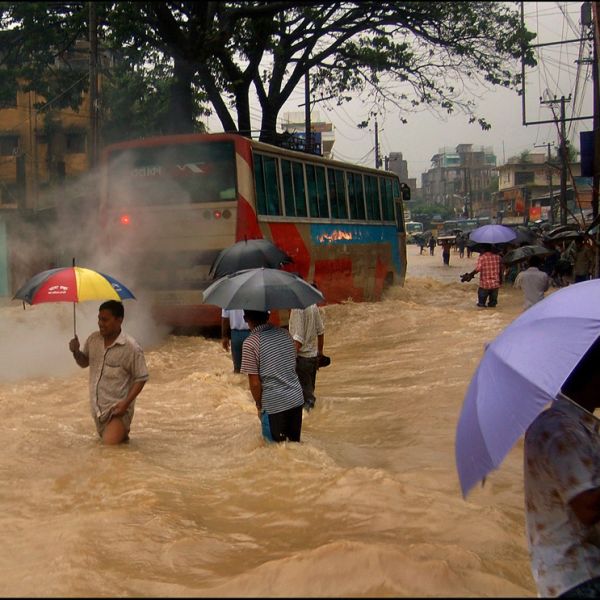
(563, 155)
(549, 176)
(307, 123)
(93, 95)
(377, 156)
(563, 163)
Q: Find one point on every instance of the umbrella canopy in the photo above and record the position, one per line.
(568, 234)
(525, 252)
(248, 254)
(524, 235)
(481, 248)
(561, 229)
(261, 289)
(72, 284)
(520, 373)
(492, 234)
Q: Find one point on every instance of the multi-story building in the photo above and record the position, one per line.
(461, 179)
(43, 154)
(395, 162)
(529, 189)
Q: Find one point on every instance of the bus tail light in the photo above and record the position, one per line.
(217, 214)
(125, 219)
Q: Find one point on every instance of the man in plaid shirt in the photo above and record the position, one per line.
(488, 266)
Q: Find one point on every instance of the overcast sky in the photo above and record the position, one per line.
(425, 133)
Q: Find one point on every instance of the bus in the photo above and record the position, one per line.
(170, 204)
(412, 228)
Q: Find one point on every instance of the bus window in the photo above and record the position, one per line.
(267, 185)
(317, 191)
(299, 191)
(399, 217)
(356, 196)
(387, 202)
(373, 209)
(337, 194)
(171, 174)
(293, 188)
(405, 191)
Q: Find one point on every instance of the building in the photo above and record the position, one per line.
(396, 163)
(529, 189)
(462, 179)
(43, 154)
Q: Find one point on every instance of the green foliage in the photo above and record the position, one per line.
(402, 54)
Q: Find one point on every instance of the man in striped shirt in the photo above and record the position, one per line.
(488, 266)
(269, 359)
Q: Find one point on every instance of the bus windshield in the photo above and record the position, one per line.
(171, 174)
(414, 227)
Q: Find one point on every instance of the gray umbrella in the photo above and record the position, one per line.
(525, 252)
(248, 254)
(261, 289)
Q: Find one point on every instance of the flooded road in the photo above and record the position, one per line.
(197, 505)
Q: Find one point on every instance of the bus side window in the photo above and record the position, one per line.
(299, 191)
(405, 191)
(317, 191)
(337, 194)
(356, 196)
(373, 208)
(267, 185)
(400, 216)
(387, 201)
(293, 188)
(288, 188)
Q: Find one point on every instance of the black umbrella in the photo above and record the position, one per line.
(568, 234)
(261, 289)
(524, 235)
(525, 252)
(248, 254)
(560, 230)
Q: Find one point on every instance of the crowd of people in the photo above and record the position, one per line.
(561, 262)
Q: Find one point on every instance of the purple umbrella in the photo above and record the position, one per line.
(520, 373)
(492, 234)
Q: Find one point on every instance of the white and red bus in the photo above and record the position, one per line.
(170, 204)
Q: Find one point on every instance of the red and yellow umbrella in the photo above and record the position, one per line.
(72, 284)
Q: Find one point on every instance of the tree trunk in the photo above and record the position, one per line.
(180, 118)
(242, 105)
(268, 127)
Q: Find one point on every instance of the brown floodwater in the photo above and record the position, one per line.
(198, 505)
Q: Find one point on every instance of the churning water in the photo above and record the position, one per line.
(197, 505)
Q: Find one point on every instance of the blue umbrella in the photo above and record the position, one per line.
(492, 234)
(520, 373)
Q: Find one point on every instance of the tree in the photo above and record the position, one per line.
(409, 55)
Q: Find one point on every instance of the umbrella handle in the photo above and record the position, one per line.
(74, 326)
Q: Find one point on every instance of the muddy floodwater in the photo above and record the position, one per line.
(196, 504)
